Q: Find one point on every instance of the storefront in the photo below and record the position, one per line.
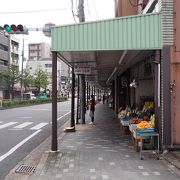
(126, 52)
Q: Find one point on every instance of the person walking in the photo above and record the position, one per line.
(104, 98)
(92, 104)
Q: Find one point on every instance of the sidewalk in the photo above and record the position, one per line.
(97, 151)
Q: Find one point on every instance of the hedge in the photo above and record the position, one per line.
(16, 103)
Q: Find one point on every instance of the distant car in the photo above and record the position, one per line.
(29, 96)
(41, 96)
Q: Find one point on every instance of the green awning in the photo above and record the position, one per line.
(140, 32)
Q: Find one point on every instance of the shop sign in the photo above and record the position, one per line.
(82, 70)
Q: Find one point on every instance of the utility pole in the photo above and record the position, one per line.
(22, 68)
(81, 11)
(82, 76)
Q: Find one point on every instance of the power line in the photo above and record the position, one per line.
(72, 10)
(95, 9)
(88, 9)
(34, 11)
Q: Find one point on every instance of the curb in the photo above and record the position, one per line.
(36, 158)
(171, 160)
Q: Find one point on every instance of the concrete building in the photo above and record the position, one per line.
(46, 65)
(39, 51)
(9, 54)
(14, 50)
(4, 59)
(40, 55)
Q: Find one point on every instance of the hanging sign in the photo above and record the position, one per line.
(82, 70)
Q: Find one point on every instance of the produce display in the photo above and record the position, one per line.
(135, 120)
(144, 119)
(144, 124)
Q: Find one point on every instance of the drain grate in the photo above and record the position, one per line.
(25, 169)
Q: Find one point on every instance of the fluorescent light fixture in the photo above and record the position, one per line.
(133, 84)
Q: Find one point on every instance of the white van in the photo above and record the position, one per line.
(29, 96)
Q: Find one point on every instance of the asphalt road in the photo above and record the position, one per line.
(23, 129)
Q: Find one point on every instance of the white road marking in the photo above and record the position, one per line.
(71, 165)
(39, 126)
(100, 158)
(145, 173)
(105, 176)
(65, 170)
(140, 167)
(93, 177)
(23, 125)
(18, 145)
(63, 116)
(60, 118)
(25, 117)
(92, 170)
(7, 124)
(157, 173)
(112, 163)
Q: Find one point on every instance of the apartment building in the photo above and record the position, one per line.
(9, 54)
(39, 51)
(40, 55)
(4, 59)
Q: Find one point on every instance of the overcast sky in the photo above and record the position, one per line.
(21, 12)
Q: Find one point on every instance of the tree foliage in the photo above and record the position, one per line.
(27, 79)
(11, 77)
(40, 79)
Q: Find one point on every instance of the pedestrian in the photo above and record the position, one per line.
(110, 101)
(92, 104)
(104, 98)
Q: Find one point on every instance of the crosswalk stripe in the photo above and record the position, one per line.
(23, 125)
(7, 124)
(39, 126)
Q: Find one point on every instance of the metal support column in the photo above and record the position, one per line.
(94, 93)
(54, 144)
(77, 115)
(72, 98)
(83, 100)
(87, 91)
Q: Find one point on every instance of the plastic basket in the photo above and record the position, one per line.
(145, 130)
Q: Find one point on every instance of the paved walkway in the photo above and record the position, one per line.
(99, 151)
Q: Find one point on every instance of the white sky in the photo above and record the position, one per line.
(94, 10)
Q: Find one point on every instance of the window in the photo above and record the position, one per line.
(3, 47)
(48, 65)
(3, 63)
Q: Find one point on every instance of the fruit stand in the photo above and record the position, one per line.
(141, 135)
(141, 125)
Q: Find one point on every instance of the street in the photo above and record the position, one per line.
(23, 129)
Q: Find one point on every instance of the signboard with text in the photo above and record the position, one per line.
(82, 70)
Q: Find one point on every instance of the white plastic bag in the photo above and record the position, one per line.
(91, 114)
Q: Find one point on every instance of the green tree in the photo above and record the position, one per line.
(40, 79)
(27, 79)
(11, 77)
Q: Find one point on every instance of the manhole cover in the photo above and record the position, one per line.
(25, 169)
